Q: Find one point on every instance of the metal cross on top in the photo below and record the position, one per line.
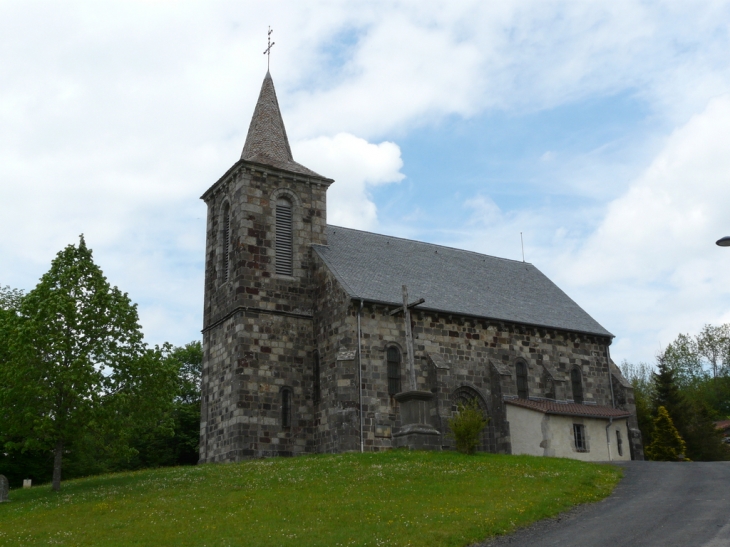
(406, 309)
(267, 51)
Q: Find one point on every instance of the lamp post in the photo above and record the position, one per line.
(723, 241)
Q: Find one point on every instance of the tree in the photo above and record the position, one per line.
(713, 344)
(667, 445)
(667, 394)
(76, 364)
(158, 447)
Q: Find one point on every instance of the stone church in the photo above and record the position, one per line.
(319, 338)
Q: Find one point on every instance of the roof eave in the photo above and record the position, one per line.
(263, 167)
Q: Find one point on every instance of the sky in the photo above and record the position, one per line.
(599, 131)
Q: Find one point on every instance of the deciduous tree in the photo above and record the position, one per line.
(76, 363)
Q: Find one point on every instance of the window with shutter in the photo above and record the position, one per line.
(284, 246)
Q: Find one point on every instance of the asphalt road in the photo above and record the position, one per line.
(657, 504)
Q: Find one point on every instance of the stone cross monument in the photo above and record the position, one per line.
(416, 431)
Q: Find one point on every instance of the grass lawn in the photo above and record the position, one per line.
(387, 498)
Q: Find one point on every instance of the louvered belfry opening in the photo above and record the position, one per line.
(284, 247)
(226, 242)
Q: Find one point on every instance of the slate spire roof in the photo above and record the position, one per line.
(267, 142)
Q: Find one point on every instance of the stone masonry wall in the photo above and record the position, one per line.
(476, 356)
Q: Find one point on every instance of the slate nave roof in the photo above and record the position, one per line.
(374, 267)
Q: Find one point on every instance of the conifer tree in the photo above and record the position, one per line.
(667, 395)
(667, 445)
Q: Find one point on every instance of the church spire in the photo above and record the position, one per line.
(267, 142)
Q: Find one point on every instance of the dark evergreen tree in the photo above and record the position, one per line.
(666, 394)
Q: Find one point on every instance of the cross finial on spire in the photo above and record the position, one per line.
(267, 51)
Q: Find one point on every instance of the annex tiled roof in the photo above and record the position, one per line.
(374, 268)
(569, 409)
(266, 142)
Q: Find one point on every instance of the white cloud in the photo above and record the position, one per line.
(356, 165)
(652, 266)
(115, 117)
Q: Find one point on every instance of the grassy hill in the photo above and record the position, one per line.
(389, 498)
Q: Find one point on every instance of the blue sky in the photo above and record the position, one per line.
(598, 129)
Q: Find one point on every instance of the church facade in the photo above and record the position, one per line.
(320, 338)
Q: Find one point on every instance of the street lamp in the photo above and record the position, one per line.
(724, 241)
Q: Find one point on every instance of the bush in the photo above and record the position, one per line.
(466, 425)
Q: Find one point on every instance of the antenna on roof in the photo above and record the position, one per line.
(523, 247)
(267, 51)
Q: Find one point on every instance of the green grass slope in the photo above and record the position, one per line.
(387, 498)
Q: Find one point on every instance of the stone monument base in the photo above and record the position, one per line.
(416, 431)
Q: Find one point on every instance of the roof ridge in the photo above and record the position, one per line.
(430, 244)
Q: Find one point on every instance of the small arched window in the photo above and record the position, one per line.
(226, 242)
(284, 246)
(315, 371)
(522, 390)
(286, 400)
(577, 385)
(393, 358)
(619, 443)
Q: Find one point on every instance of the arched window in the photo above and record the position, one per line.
(315, 385)
(619, 443)
(226, 242)
(284, 247)
(577, 384)
(393, 370)
(522, 391)
(286, 396)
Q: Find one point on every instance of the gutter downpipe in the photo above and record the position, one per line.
(608, 437)
(610, 376)
(359, 375)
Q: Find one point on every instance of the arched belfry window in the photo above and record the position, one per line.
(577, 385)
(284, 244)
(226, 242)
(521, 373)
(393, 358)
(286, 404)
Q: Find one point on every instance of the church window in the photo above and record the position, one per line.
(226, 237)
(577, 384)
(286, 407)
(393, 370)
(284, 245)
(579, 433)
(619, 443)
(315, 385)
(522, 391)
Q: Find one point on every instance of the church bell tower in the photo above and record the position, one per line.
(264, 214)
